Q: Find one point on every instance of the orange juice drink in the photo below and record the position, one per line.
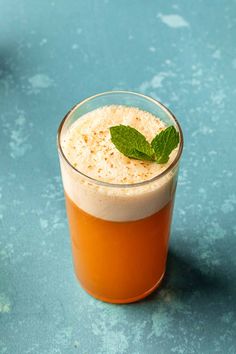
(119, 209)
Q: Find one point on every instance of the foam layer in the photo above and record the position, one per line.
(88, 147)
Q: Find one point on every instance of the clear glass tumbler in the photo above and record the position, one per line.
(120, 250)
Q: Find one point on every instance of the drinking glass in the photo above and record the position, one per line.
(119, 232)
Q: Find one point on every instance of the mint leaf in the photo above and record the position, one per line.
(164, 142)
(131, 143)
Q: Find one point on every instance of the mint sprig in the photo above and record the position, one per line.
(131, 143)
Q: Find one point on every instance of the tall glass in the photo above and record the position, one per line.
(119, 232)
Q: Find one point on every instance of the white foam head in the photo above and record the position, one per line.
(116, 188)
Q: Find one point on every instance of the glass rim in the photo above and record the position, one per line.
(121, 185)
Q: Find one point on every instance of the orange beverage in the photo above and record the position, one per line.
(119, 210)
(102, 263)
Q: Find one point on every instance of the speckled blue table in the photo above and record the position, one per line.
(53, 54)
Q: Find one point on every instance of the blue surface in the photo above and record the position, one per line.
(53, 54)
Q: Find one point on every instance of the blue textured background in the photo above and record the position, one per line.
(53, 54)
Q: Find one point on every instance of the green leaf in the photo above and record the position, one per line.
(164, 142)
(131, 143)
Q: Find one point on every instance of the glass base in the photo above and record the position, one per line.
(125, 301)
